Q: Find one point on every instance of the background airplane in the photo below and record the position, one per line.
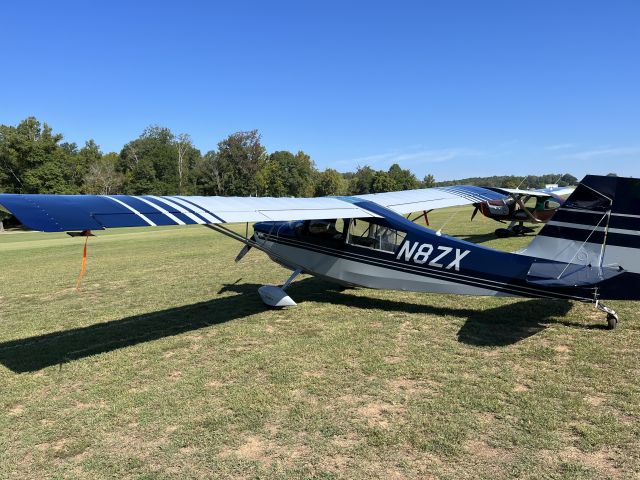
(513, 208)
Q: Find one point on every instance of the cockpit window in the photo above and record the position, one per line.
(326, 229)
(377, 237)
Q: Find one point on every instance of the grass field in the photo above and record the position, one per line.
(167, 365)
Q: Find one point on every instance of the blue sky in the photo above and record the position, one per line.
(453, 88)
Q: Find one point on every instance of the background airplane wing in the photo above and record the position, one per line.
(430, 198)
(63, 213)
(560, 191)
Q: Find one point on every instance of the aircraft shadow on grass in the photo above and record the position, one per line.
(498, 326)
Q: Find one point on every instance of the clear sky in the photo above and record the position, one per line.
(453, 88)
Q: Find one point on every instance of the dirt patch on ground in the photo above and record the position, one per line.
(604, 461)
(405, 385)
(412, 387)
(562, 349)
(479, 448)
(16, 410)
(303, 396)
(214, 384)
(595, 400)
(381, 414)
(346, 441)
(349, 398)
(267, 452)
(394, 359)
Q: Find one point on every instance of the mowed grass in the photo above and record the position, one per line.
(167, 365)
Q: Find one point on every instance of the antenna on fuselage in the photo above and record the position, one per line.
(520, 184)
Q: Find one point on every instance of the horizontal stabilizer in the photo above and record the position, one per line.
(555, 274)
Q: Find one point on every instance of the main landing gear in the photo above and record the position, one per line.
(275, 296)
(612, 316)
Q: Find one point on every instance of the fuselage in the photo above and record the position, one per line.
(391, 252)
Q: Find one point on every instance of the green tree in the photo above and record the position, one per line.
(429, 181)
(232, 170)
(510, 182)
(103, 177)
(284, 174)
(49, 177)
(383, 182)
(4, 181)
(270, 178)
(81, 160)
(361, 181)
(188, 158)
(32, 160)
(157, 162)
(330, 182)
(403, 179)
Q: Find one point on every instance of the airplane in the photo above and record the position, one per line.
(513, 208)
(586, 253)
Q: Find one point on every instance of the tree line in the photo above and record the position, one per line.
(512, 181)
(35, 159)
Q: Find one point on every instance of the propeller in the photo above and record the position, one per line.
(475, 211)
(242, 253)
(244, 250)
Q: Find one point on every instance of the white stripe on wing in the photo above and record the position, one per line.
(193, 217)
(162, 210)
(128, 207)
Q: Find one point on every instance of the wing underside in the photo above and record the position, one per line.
(409, 201)
(540, 192)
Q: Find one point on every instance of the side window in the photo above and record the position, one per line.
(326, 229)
(377, 237)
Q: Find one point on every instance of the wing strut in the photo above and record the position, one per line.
(425, 214)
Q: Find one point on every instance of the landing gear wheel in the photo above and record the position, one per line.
(612, 316)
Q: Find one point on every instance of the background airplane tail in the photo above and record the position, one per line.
(598, 223)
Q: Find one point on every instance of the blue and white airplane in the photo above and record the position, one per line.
(587, 252)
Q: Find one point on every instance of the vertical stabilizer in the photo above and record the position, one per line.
(599, 224)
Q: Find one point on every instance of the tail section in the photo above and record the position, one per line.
(599, 225)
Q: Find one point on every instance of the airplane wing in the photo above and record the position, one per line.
(550, 192)
(409, 201)
(64, 213)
